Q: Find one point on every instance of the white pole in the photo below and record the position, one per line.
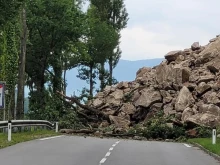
(214, 136)
(9, 131)
(56, 126)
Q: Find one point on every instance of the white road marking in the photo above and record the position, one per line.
(110, 149)
(48, 138)
(108, 154)
(103, 161)
(187, 145)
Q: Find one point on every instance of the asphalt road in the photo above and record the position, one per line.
(71, 150)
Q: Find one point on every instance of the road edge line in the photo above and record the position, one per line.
(52, 137)
(187, 145)
(217, 157)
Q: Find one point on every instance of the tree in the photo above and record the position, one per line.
(53, 26)
(114, 13)
(99, 40)
(21, 68)
(9, 41)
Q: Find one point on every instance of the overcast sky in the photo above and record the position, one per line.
(156, 27)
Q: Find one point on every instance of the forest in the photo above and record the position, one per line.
(40, 40)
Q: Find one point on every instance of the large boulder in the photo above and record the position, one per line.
(128, 108)
(203, 119)
(206, 78)
(98, 102)
(167, 98)
(202, 88)
(209, 108)
(210, 53)
(212, 49)
(145, 76)
(211, 98)
(173, 74)
(184, 99)
(115, 98)
(187, 113)
(122, 85)
(119, 122)
(169, 110)
(173, 55)
(142, 71)
(148, 97)
(195, 46)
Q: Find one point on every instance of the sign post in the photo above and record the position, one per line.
(57, 127)
(9, 131)
(214, 136)
(2, 97)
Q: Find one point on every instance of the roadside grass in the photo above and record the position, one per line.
(207, 144)
(24, 136)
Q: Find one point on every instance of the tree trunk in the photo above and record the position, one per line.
(57, 68)
(102, 76)
(110, 70)
(21, 72)
(57, 80)
(91, 81)
(64, 79)
(12, 106)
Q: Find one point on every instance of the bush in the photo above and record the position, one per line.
(157, 127)
(70, 121)
(204, 132)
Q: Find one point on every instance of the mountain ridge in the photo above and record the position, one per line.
(121, 71)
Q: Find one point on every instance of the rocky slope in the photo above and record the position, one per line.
(186, 86)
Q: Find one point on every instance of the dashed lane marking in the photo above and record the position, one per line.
(108, 153)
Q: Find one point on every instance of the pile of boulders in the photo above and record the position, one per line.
(186, 86)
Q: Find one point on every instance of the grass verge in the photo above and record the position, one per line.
(207, 144)
(24, 136)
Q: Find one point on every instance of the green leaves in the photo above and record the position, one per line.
(9, 10)
(55, 28)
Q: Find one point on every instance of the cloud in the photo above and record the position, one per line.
(138, 43)
(159, 26)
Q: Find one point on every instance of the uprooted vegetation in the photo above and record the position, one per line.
(185, 86)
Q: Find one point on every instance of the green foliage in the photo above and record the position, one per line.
(100, 38)
(115, 15)
(204, 132)
(136, 129)
(8, 10)
(54, 108)
(9, 59)
(70, 121)
(107, 129)
(161, 130)
(55, 28)
(157, 128)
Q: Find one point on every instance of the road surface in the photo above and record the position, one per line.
(71, 150)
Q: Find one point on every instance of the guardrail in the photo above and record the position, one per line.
(26, 123)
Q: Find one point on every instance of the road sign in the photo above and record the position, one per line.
(2, 95)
